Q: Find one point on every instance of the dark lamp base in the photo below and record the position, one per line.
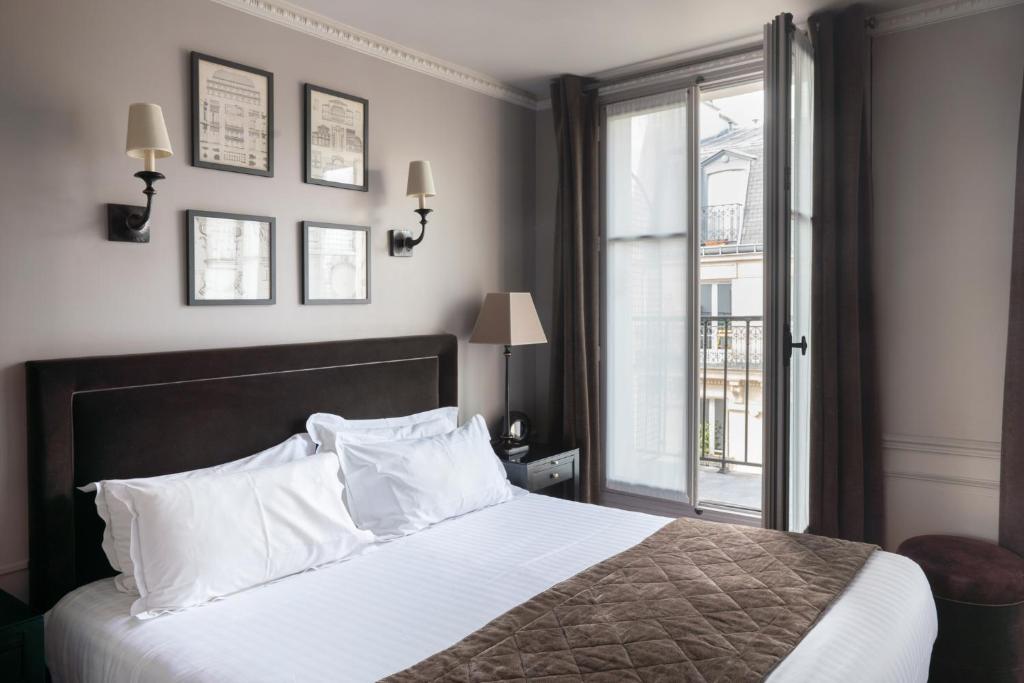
(510, 449)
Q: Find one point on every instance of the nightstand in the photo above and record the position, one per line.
(544, 467)
(21, 642)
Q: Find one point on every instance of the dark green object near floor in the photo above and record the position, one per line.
(21, 642)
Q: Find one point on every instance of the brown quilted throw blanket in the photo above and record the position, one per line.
(695, 601)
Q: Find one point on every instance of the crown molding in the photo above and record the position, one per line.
(970, 448)
(929, 13)
(294, 17)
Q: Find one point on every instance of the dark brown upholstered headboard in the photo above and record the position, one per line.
(145, 415)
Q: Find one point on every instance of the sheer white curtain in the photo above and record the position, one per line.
(647, 300)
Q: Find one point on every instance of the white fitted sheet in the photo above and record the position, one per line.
(382, 612)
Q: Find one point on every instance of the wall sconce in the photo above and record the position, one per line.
(420, 185)
(147, 139)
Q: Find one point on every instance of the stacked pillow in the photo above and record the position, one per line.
(396, 488)
(119, 521)
(331, 432)
(185, 539)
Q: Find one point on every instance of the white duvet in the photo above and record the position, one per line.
(377, 614)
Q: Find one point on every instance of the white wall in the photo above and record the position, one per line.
(946, 105)
(70, 71)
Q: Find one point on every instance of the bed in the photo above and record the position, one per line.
(377, 614)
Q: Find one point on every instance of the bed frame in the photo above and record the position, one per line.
(145, 415)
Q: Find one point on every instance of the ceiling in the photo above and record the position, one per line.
(523, 43)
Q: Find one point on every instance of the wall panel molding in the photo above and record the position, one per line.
(940, 447)
(299, 19)
(13, 567)
(969, 448)
(944, 479)
(929, 13)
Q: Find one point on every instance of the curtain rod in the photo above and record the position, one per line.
(706, 61)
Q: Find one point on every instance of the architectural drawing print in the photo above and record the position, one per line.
(231, 259)
(336, 127)
(337, 263)
(233, 117)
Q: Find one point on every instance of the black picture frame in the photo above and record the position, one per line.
(306, 295)
(307, 146)
(197, 160)
(190, 255)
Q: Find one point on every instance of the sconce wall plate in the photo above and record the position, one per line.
(400, 242)
(396, 242)
(118, 217)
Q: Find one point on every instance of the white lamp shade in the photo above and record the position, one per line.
(421, 180)
(508, 318)
(147, 132)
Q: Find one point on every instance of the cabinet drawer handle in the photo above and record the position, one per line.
(554, 475)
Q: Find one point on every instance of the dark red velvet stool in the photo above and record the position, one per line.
(979, 594)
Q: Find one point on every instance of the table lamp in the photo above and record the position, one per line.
(509, 319)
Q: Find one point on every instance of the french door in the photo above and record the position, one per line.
(705, 277)
(789, 119)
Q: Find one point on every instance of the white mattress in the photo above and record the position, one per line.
(385, 611)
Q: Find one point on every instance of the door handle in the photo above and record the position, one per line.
(802, 345)
(790, 345)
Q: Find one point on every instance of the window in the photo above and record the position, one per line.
(647, 280)
(715, 299)
(682, 400)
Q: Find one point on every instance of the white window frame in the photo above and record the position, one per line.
(740, 67)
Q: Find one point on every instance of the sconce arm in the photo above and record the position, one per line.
(410, 242)
(136, 221)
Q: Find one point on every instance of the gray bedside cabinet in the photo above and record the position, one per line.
(546, 469)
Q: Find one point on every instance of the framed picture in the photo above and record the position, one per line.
(230, 258)
(232, 116)
(335, 263)
(336, 139)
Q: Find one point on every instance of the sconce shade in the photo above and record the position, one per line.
(147, 132)
(421, 180)
(508, 318)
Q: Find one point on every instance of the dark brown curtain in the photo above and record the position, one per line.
(1011, 489)
(846, 460)
(575, 391)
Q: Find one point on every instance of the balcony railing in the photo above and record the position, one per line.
(736, 340)
(720, 223)
(733, 346)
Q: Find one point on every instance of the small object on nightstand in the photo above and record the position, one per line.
(21, 642)
(543, 467)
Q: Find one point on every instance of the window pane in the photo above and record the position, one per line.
(647, 326)
(705, 299)
(727, 187)
(646, 166)
(647, 378)
(725, 299)
(729, 379)
(800, 286)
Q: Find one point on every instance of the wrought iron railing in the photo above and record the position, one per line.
(728, 344)
(720, 223)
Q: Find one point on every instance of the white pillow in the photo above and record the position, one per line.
(203, 538)
(328, 431)
(117, 532)
(400, 487)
